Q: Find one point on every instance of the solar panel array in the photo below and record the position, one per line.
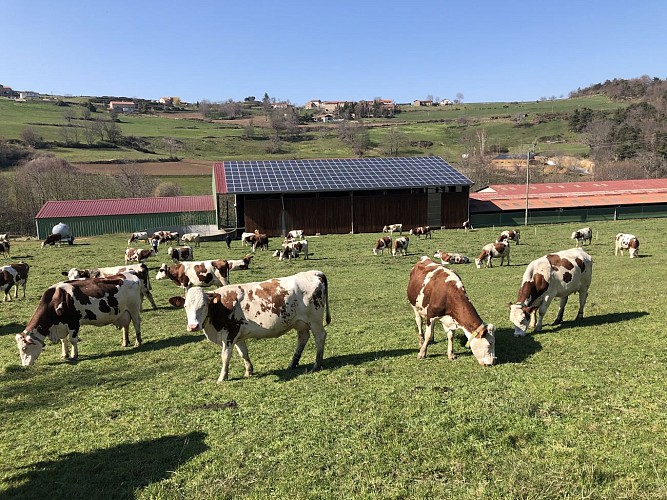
(282, 176)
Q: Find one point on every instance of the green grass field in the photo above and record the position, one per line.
(575, 411)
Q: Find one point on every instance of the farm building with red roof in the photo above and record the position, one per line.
(505, 204)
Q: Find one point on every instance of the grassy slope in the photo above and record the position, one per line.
(571, 411)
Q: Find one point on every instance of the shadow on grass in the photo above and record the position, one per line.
(154, 345)
(107, 473)
(286, 374)
(11, 329)
(604, 319)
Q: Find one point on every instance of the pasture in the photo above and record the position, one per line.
(577, 410)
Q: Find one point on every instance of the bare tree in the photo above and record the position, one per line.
(32, 138)
(69, 115)
(393, 141)
(459, 98)
(132, 184)
(249, 130)
(167, 189)
(173, 145)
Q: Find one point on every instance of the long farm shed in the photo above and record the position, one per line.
(95, 217)
(339, 196)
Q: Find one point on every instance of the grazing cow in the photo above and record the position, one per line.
(392, 228)
(437, 293)
(582, 235)
(400, 245)
(138, 236)
(382, 243)
(51, 240)
(4, 248)
(493, 250)
(627, 242)
(164, 236)
(13, 275)
(558, 274)
(200, 273)
(231, 314)
(141, 270)
(292, 250)
(467, 226)
(295, 234)
(451, 258)
(248, 239)
(179, 254)
(65, 306)
(138, 255)
(509, 235)
(240, 264)
(261, 241)
(422, 231)
(191, 238)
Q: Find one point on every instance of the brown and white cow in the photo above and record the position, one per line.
(509, 235)
(493, 251)
(138, 254)
(5, 247)
(4, 237)
(165, 236)
(437, 293)
(392, 228)
(629, 242)
(231, 314)
(138, 236)
(66, 306)
(582, 235)
(13, 275)
(261, 241)
(382, 243)
(57, 240)
(179, 254)
(248, 239)
(420, 231)
(292, 249)
(400, 245)
(240, 264)
(451, 258)
(141, 270)
(295, 234)
(467, 226)
(558, 274)
(191, 238)
(199, 273)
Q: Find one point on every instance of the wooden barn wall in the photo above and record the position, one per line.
(454, 209)
(372, 213)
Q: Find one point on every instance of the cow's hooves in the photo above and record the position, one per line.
(421, 356)
(452, 357)
(137, 344)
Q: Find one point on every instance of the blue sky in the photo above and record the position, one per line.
(334, 50)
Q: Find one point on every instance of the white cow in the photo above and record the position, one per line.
(493, 250)
(247, 239)
(629, 242)
(582, 235)
(295, 234)
(558, 274)
(191, 238)
(392, 228)
(138, 236)
(231, 314)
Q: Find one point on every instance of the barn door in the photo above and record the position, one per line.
(434, 204)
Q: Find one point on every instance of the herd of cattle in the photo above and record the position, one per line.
(230, 314)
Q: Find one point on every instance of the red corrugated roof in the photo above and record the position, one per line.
(127, 206)
(499, 197)
(219, 176)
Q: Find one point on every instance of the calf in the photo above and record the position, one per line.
(51, 240)
(400, 245)
(392, 228)
(140, 270)
(138, 236)
(65, 306)
(467, 226)
(5, 247)
(627, 242)
(295, 234)
(240, 264)
(557, 274)
(138, 255)
(422, 231)
(451, 258)
(261, 242)
(491, 251)
(191, 238)
(201, 273)
(293, 249)
(231, 314)
(437, 293)
(582, 235)
(509, 235)
(248, 239)
(13, 275)
(179, 254)
(382, 243)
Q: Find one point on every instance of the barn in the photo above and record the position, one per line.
(108, 216)
(339, 196)
(505, 204)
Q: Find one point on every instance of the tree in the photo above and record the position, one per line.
(393, 141)
(132, 184)
(205, 107)
(167, 189)
(69, 115)
(113, 131)
(459, 98)
(249, 130)
(173, 145)
(32, 138)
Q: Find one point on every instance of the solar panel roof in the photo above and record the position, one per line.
(282, 176)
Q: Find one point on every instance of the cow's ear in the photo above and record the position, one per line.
(509, 305)
(177, 301)
(216, 298)
(64, 273)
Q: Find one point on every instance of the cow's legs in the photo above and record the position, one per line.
(561, 310)
(583, 295)
(8, 295)
(542, 310)
(226, 356)
(418, 320)
(150, 298)
(136, 322)
(242, 349)
(64, 348)
(450, 347)
(24, 285)
(427, 340)
(302, 339)
(320, 336)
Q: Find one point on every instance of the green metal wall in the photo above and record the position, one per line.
(563, 215)
(93, 226)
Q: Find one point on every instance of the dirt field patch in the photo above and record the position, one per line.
(183, 167)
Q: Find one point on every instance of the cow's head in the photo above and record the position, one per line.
(482, 257)
(73, 274)
(29, 348)
(521, 316)
(483, 345)
(162, 272)
(199, 306)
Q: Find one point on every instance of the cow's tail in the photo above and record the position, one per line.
(326, 297)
